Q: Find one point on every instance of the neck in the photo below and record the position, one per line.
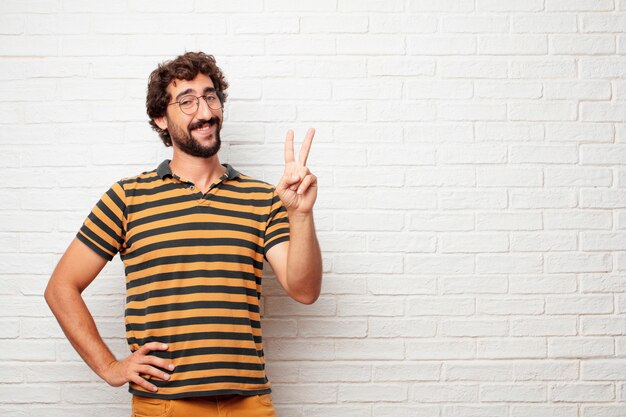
(201, 171)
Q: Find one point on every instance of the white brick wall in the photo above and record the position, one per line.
(472, 208)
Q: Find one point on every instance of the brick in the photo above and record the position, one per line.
(606, 112)
(406, 371)
(602, 68)
(603, 241)
(379, 44)
(407, 66)
(440, 45)
(582, 90)
(582, 45)
(579, 5)
(470, 112)
(517, 392)
(29, 394)
(577, 262)
(543, 68)
(402, 286)
(578, 176)
(397, 199)
(472, 67)
(544, 410)
(603, 198)
(474, 328)
(543, 23)
(604, 283)
(373, 393)
(475, 153)
(580, 132)
(435, 349)
(394, 242)
(580, 347)
(400, 328)
(332, 328)
(543, 327)
(369, 349)
(512, 45)
(457, 6)
(543, 111)
(417, 90)
(403, 23)
(544, 242)
(370, 6)
(580, 219)
(475, 24)
(370, 306)
(483, 284)
(505, 306)
(551, 198)
(508, 177)
(581, 392)
(441, 222)
(427, 393)
(602, 326)
(509, 263)
(440, 177)
(439, 264)
(301, 45)
(499, 90)
(369, 88)
(500, 348)
(334, 372)
(473, 200)
(394, 111)
(448, 306)
(273, 24)
(473, 243)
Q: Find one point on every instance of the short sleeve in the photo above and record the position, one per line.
(103, 230)
(277, 228)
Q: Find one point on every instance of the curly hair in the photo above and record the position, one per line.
(183, 67)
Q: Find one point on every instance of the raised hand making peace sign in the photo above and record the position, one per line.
(298, 186)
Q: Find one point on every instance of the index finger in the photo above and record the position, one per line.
(306, 146)
(289, 153)
(149, 347)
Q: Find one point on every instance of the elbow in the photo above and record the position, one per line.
(307, 299)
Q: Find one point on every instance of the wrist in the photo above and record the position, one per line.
(299, 216)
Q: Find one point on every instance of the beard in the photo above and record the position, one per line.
(189, 145)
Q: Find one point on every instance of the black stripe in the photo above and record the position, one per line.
(209, 380)
(279, 231)
(116, 200)
(194, 243)
(93, 247)
(182, 259)
(168, 186)
(241, 202)
(105, 246)
(186, 337)
(198, 273)
(195, 289)
(233, 305)
(190, 393)
(213, 226)
(143, 178)
(189, 321)
(275, 242)
(245, 190)
(193, 210)
(136, 208)
(251, 366)
(106, 229)
(216, 350)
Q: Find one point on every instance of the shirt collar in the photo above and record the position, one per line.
(164, 170)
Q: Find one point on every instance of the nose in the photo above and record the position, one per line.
(204, 111)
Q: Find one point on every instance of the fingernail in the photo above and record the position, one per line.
(166, 376)
(294, 177)
(170, 367)
(154, 389)
(163, 346)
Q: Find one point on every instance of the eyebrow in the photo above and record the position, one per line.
(190, 90)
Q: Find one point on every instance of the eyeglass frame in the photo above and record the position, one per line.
(218, 93)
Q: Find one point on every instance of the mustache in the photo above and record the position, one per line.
(202, 122)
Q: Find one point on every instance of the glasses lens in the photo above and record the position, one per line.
(188, 104)
(213, 101)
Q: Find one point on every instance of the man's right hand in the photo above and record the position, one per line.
(136, 364)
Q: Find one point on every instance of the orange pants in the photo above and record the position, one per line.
(236, 406)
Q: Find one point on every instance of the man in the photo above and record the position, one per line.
(193, 234)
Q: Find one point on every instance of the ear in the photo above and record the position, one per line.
(161, 122)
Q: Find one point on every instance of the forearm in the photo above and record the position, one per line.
(304, 259)
(78, 325)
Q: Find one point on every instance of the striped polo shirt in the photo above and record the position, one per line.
(193, 266)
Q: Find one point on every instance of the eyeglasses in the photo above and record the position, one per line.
(189, 104)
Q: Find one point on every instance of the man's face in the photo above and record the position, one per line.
(196, 134)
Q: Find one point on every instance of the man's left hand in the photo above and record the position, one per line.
(298, 186)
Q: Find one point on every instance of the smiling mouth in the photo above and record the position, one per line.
(205, 128)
